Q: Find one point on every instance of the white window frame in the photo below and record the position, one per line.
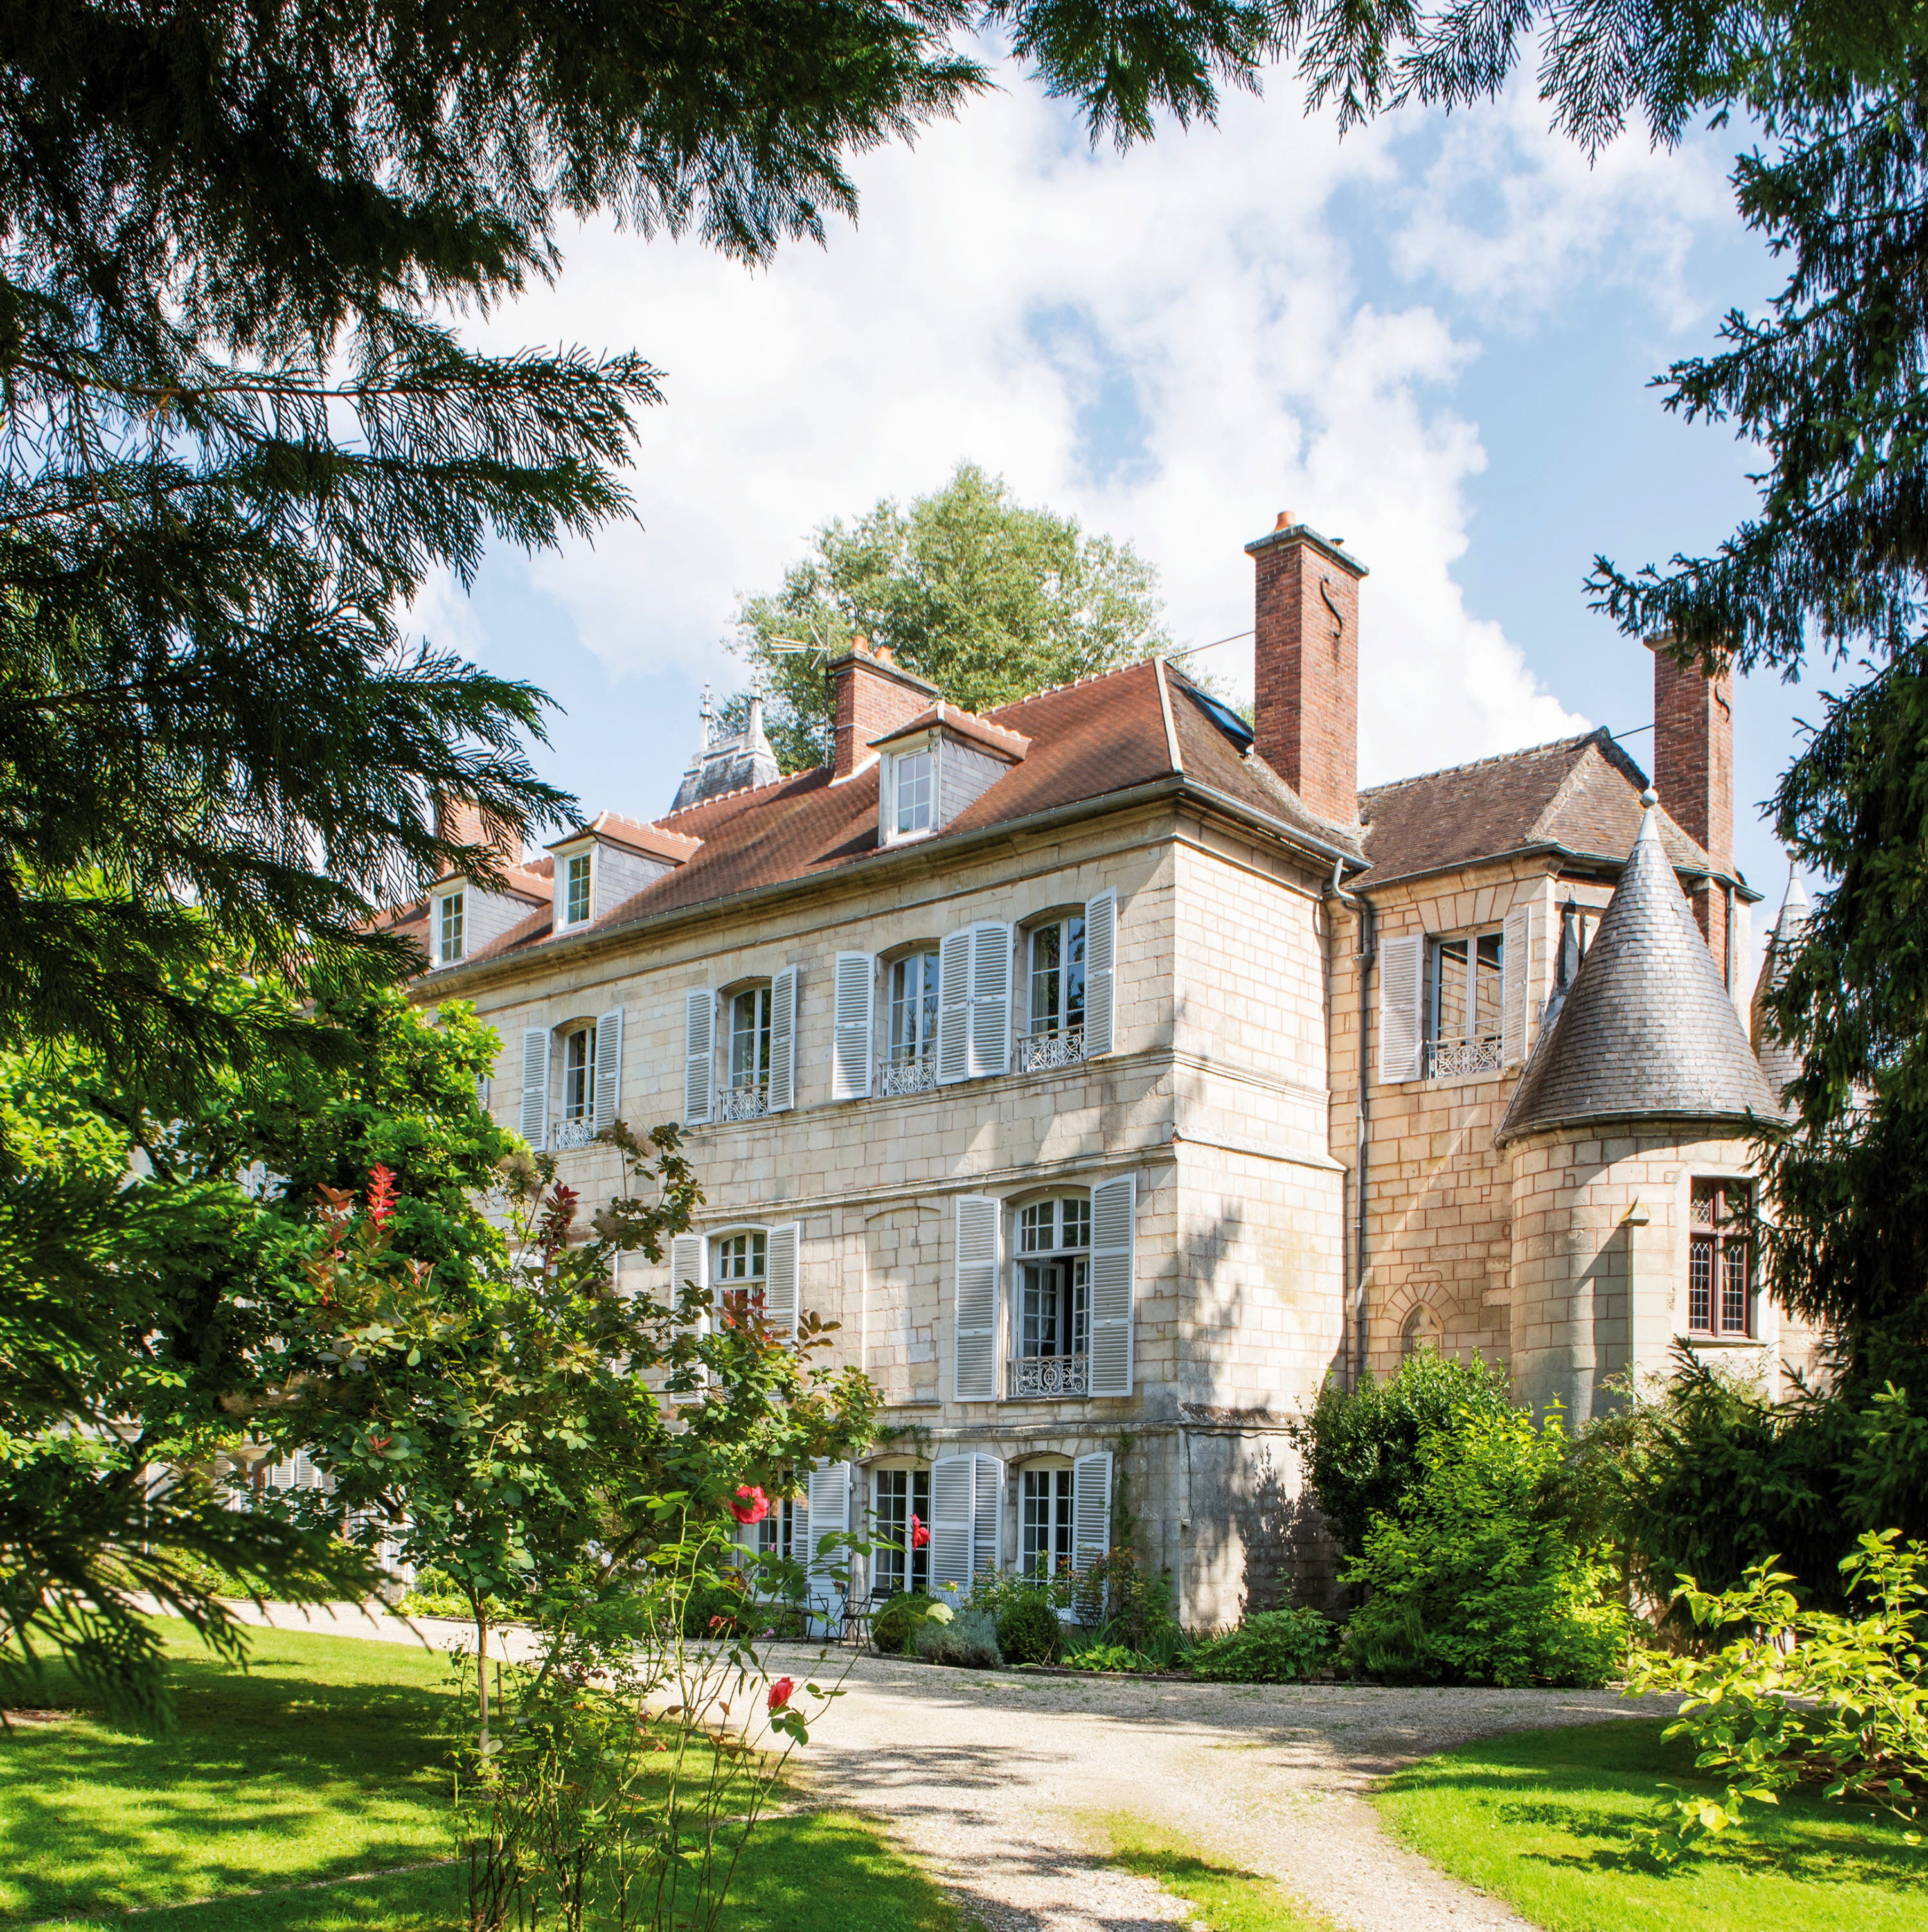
(459, 900)
(898, 769)
(566, 888)
(915, 1072)
(1061, 1511)
(1063, 1373)
(1465, 1051)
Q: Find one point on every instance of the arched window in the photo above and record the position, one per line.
(1423, 1334)
(739, 1268)
(1051, 1319)
(576, 1125)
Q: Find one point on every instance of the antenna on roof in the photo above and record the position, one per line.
(1191, 650)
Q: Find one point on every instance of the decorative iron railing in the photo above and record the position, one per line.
(1449, 1059)
(743, 1103)
(577, 1132)
(1039, 1050)
(1050, 1375)
(918, 1075)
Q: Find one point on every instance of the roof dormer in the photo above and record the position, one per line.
(934, 766)
(610, 860)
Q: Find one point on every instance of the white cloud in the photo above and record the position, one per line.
(1001, 277)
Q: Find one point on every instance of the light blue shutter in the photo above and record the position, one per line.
(780, 1255)
(1101, 926)
(1516, 967)
(990, 999)
(783, 1040)
(608, 1068)
(1113, 1213)
(953, 1007)
(953, 1511)
(987, 1539)
(535, 1119)
(699, 1056)
(974, 1352)
(1402, 1029)
(1090, 1508)
(853, 1041)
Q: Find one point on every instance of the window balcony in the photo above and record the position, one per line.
(580, 1132)
(1051, 1375)
(1037, 1051)
(915, 1075)
(743, 1103)
(1454, 1059)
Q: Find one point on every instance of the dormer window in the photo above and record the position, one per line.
(449, 910)
(576, 890)
(914, 785)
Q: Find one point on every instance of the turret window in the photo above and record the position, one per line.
(1720, 1279)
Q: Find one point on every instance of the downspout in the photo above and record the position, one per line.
(1368, 952)
(1727, 949)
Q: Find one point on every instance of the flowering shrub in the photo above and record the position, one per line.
(749, 1505)
(1803, 1694)
(1268, 1647)
(920, 1532)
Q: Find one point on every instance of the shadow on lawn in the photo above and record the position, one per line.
(97, 1816)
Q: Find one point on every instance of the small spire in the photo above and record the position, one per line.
(705, 712)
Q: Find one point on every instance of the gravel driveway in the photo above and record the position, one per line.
(996, 1780)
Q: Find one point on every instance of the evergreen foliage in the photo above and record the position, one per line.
(989, 598)
(1268, 1647)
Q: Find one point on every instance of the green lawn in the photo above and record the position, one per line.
(1224, 1897)
(1549, 1820)
(328, 1758)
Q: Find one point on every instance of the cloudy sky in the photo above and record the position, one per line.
(1432, 339)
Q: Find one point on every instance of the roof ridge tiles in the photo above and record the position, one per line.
(738, 791)
(1070, 684)
(1574, 741)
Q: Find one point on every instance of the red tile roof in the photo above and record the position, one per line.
(966, 724)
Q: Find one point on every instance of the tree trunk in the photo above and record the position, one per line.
(482, 1670)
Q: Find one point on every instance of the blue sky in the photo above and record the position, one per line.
(1433, 339)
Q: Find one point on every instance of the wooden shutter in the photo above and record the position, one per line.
(1090, 1508)
(1402, 985)
(953, 1511)
(608, 1068)
(1114, 1215)
(953, 1007)
(829, 1516)
(783, 1040)
(1101, 933)
(990, 999)
(974, 1357)
(534, 1121)
(853, 1040)
(699, 1056)
(689, 1259)
(987, 1538)
(1516, 975)
(780, 1251)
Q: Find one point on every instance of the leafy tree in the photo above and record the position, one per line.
(240, 435)
(989, 599)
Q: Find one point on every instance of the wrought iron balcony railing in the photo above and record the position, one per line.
(1449, 1059)
(576, 1132)
(917, 1074)
(743, 1103)
(1050, 1375)
(1039, 1050)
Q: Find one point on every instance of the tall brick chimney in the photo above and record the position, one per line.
(1305, 666)
(871, 694)
(1693, 772)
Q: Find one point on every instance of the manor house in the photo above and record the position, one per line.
(1113, 1072)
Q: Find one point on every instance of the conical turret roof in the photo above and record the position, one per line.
(1647, 1030)
(1780, 1064)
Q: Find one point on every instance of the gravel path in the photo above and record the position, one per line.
(998, 1781)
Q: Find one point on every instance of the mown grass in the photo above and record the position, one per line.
(1222, 1895)
(328, 1759)
(1552, 1822)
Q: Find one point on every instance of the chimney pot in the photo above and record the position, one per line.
(1285, 522)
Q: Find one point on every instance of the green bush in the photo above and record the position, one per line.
(1109, 1657)
(1268, 1647)
(1361, 1447)
(718, 1609)
(894, 1629)
(434, 1593)
(969, 1638)
(1480, 1577)
(1028, 1629)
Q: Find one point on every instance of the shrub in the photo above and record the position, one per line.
(1361, 1447)
(434, 1594)
(1109, 1657)
(1803, 1693)
(1028, 1630)
(1479, 1579)
(1269, 1647)
(969, 1638)
(718, 1609)
(894, 1629)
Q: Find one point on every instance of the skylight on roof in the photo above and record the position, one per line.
(1224, 716)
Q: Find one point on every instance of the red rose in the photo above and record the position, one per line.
(919, 1535)
(749, 1505)
(780, 1693)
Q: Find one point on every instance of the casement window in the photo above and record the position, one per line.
(1720, 1281)
(591, 1081)
(1068, 986)
(1454, 1006)
(1045, 1522)
(910, 1058)
(1051, 1330)
(754, 1270)
(785, 1531)
(748, 1049)
(913, 793)
(897, 1495)
(576, 890)
(449, 922)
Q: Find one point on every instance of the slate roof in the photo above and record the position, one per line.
(1647, 1030)
(1579, 797)
(1100, 737)
(1780, 1064)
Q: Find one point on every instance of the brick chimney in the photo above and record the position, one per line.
(1305, 666)
(871, 693)
(1693, 772)
(460, 823)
